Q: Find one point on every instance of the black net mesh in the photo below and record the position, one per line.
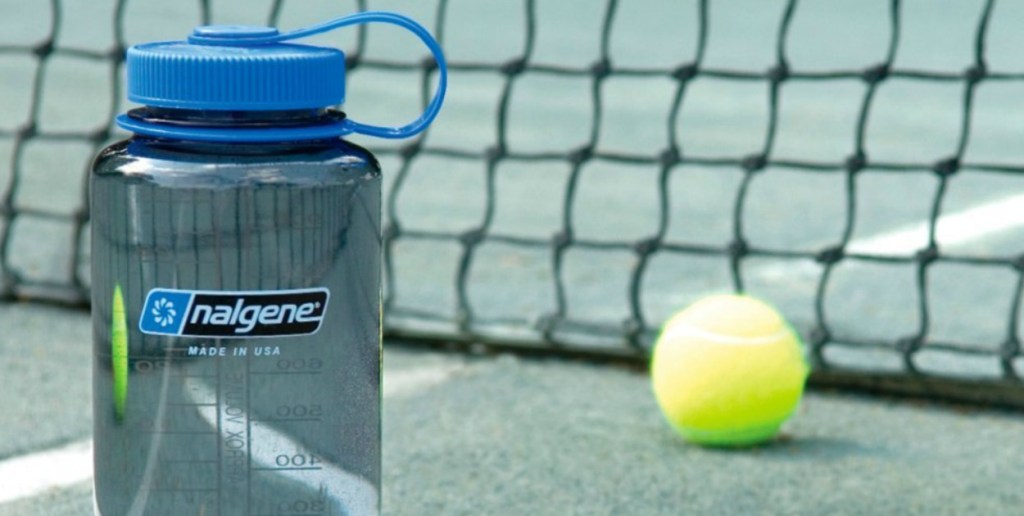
(873, 317)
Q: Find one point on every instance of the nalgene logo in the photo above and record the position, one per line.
(226, 314)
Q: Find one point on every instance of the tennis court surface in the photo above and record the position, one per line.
(482, 434)
(856, 163)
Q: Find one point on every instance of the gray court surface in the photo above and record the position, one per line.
(496, 434)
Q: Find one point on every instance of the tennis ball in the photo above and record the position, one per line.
(119, 352)
(728, 371)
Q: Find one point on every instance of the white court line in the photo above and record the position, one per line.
(30, 475)
(64, 466)
(951, 230)
(405, 383)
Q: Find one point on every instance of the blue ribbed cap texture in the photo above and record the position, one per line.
(218, 70)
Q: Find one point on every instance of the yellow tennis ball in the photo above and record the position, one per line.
(728, 371)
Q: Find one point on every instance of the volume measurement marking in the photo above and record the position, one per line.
(292, 468)
(180, 489)
(181, 432)
(287, 419)
(285, 372)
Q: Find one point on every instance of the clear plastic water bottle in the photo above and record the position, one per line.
(236, 281)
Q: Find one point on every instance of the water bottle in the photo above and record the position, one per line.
(236, 250)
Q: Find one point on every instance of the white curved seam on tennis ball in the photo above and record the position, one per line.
(683, 330)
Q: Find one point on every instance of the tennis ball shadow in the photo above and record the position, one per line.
(783, 447)
(819, 448)
(815, 448)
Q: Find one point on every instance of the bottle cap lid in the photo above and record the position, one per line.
(245, 68)
(221, 68)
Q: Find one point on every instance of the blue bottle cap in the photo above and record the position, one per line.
(243, 68)
(220, 68)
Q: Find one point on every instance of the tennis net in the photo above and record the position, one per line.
(596, 169)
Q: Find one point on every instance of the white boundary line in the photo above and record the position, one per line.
(31, 475)
(400, 384)
(951, 230)
(61, 467)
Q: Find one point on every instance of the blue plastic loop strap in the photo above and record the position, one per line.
(418, 30)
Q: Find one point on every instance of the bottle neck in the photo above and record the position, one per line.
(179, 123)
(297, 130)
(236, 119)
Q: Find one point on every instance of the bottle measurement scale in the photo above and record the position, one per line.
(236, 282)
(216, 451)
